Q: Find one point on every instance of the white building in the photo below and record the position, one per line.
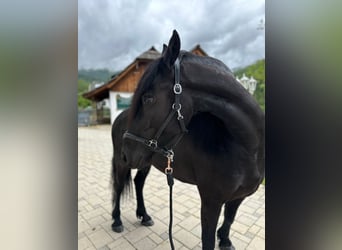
(120, 88)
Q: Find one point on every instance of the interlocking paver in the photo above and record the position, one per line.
(187, 239)
(254, 229)
(242, 237)
(95, 206)
(84, 243)
(189, 223)
(239, 244)
(137, 234)
(145, 244)
(96, 221)
(256, 244)
(93, 213)
(100, 238)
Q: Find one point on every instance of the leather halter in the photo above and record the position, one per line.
(152, 144)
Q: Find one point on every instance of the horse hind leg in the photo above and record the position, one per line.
(117, 224)
(139, 182)
(230, 210)
(121, 178)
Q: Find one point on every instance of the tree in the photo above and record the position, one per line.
(82, 88)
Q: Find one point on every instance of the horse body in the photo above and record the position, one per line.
(223, 151)
(121, 177)
(235, 174)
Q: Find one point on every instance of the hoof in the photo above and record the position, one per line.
(231, 247)
(147, 223)
(117, 229)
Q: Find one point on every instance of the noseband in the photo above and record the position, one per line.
(152, 144)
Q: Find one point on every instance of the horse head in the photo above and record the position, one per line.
(160, 109)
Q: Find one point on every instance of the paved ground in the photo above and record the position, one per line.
(94, 206)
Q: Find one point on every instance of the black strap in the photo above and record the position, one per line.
(177, 89)
(167, 151)
(135, 138)
(183, 127)
(152, 144)
(170, 183)
(163, 126)
(177, 71)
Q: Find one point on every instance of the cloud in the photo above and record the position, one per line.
(113, 33)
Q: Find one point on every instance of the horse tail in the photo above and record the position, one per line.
(121, 182)
(127, 188)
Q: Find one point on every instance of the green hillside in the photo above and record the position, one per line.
(87, 76)
(257, 70)
(99, 75)
(82, 88)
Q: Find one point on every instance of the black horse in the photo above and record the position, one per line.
(121, 177)
(191, 111)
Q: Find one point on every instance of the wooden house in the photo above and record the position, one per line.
(120, 88)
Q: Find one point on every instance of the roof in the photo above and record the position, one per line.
(102, 92)
(198, 48)
(151, 54)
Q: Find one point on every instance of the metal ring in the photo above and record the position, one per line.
(177, 109)
(168, 170)
(153, 144)
(177, 88)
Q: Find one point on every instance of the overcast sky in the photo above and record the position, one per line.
(112, 33)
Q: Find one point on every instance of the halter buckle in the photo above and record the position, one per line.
(152, 143)
(170, 154)
(177, 89)
(178, 108)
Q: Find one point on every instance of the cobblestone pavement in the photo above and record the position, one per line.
(94, 206)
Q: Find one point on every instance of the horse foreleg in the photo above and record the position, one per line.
(139, 182)
(210, 211)
(230, 210)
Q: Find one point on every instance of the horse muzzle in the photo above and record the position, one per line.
(134, 159)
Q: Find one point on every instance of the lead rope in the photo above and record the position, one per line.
(169, 176)
(177, 89)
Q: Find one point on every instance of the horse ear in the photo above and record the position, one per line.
(171, 52)
(164, 48)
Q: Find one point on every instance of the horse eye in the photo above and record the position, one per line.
(148, 98)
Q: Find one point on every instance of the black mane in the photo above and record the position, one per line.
(144, 84)
(152, 70)
(206, 61)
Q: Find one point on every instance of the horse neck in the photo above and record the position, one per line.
(235, 119)
(212, 80)
(221, 83)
